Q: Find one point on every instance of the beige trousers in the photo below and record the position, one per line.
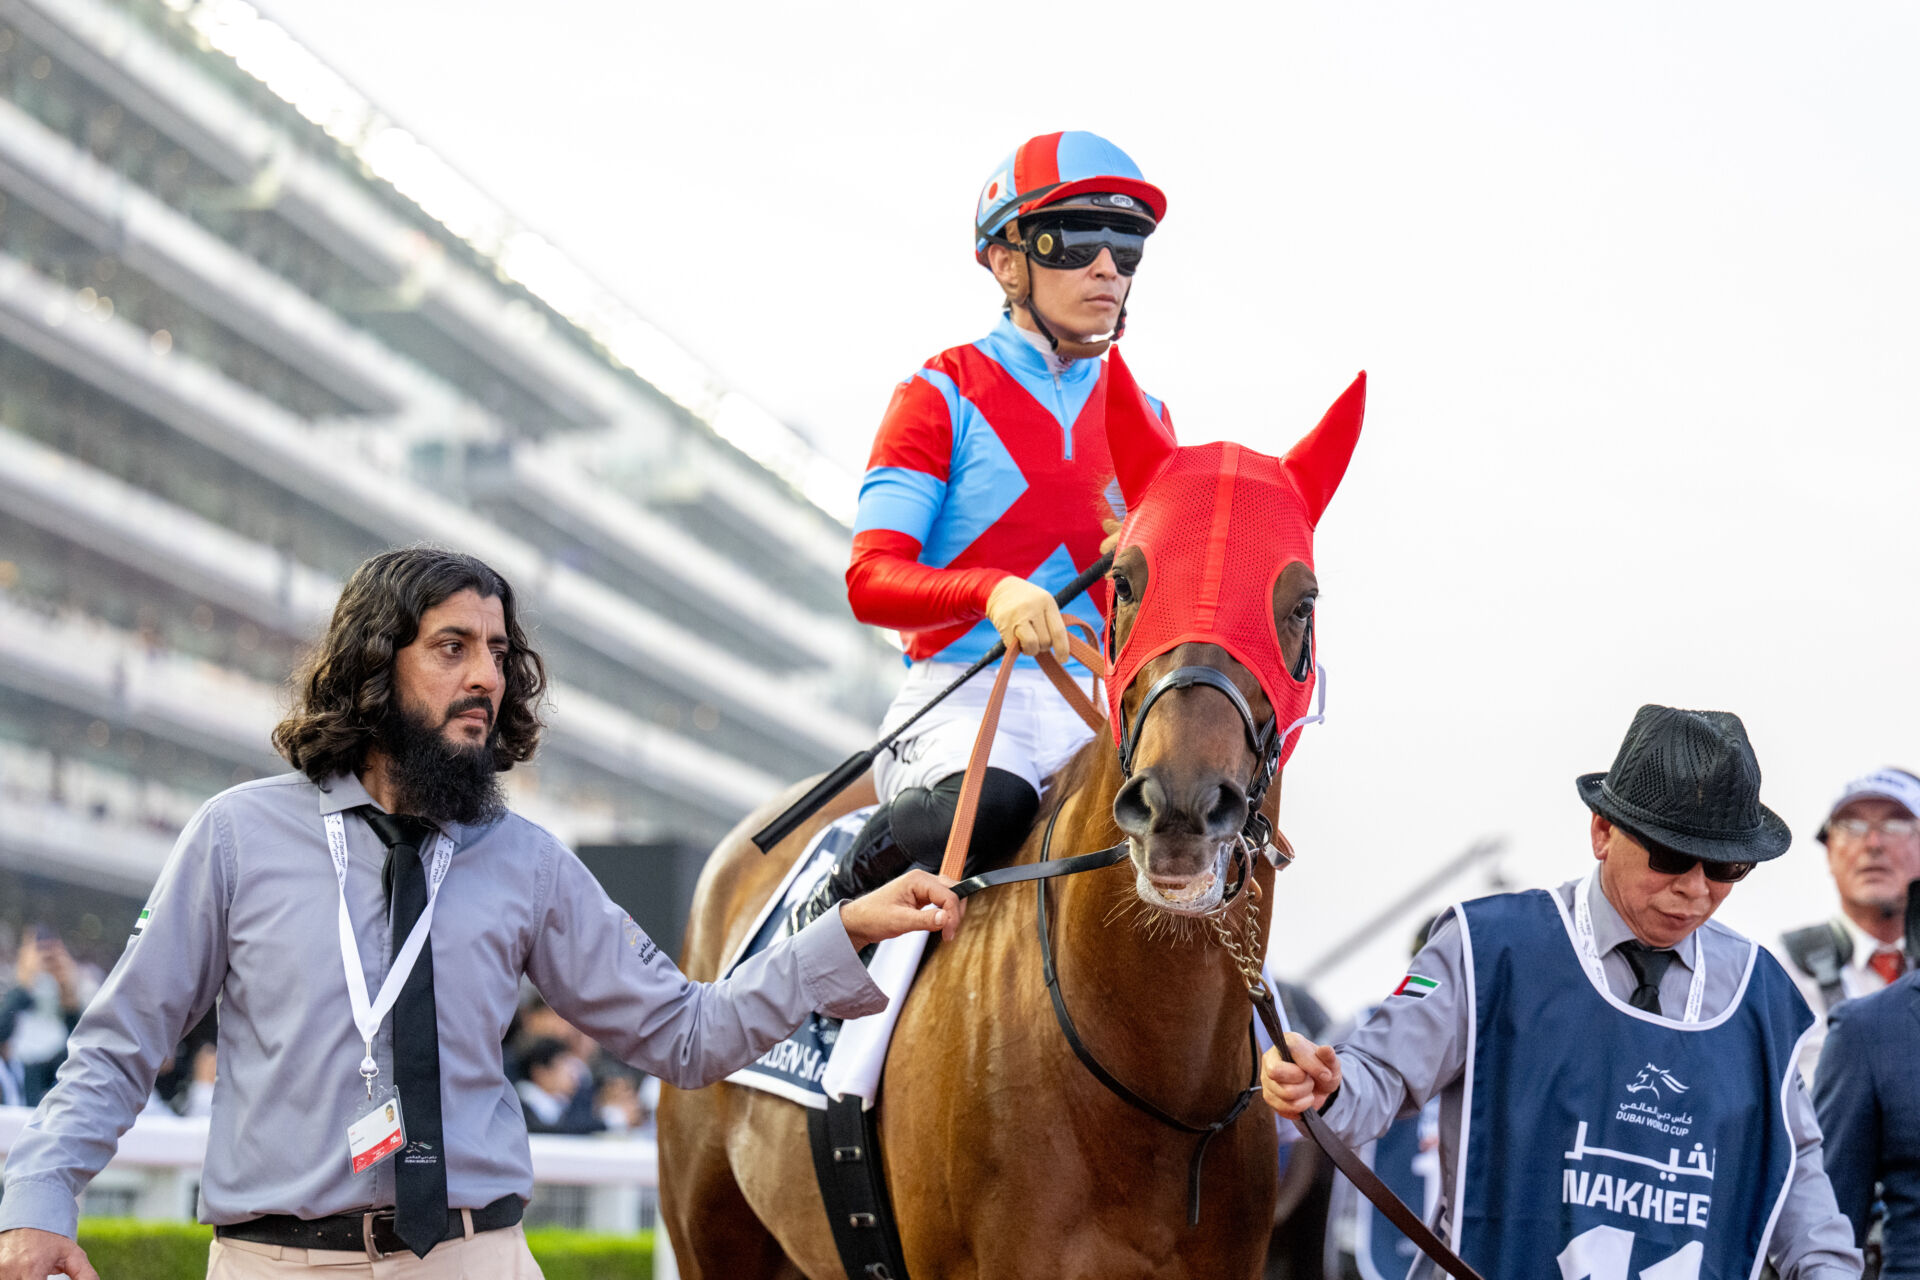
(487, 1255)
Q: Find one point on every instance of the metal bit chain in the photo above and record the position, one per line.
(1244, 949)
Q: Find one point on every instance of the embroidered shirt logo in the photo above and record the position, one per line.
(637, 940)
(1415, 987)
(1654, 1079)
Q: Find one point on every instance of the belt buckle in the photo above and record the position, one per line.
(366, 1230)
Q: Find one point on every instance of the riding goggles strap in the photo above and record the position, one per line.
(369, 1014)
(1011, 207)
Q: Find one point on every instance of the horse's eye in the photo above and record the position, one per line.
(1122, 589)
(1303, 610)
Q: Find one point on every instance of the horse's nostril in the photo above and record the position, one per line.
(1138, 801)
(1229, 812)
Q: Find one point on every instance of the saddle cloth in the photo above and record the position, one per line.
(824, 1056)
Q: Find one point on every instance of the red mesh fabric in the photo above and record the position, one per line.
(1218, 525)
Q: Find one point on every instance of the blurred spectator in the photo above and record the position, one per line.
(557, 1091)
(1872, 835)
(620, 1106)
(197, 1098)
(45, 1003)
(538, 1021)
(13, 1092)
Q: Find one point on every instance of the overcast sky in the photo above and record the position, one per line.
(1637, 287)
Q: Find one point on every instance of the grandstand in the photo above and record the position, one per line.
(252, 331)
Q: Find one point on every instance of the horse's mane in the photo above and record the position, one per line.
(1069, 779)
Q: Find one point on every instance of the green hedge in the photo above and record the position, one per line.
(127, 1249)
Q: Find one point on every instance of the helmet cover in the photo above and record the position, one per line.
(1073, 165)
(1218, 523)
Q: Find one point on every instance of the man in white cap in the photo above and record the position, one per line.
(1873, 850)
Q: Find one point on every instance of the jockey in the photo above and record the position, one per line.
(989, 488)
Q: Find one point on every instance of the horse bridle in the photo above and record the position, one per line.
(1265, 744)
(1256, 834)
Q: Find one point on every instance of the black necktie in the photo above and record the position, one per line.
(420, 1170)
(1649, 966)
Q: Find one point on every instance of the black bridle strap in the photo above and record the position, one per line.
(1264, 742)
(1046, 868)
(1182, 678)
(1042, 871)
(1126, 1095)
(1364, 1179)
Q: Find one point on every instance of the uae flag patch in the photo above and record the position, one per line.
(1415, 987)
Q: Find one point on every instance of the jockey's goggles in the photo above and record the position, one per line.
(1667, 862)
(1069, 243)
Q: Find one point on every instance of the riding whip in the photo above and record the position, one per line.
(854, 765)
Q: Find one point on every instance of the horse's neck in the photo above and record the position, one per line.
(1157, 997)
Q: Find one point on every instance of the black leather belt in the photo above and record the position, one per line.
(371, 1231)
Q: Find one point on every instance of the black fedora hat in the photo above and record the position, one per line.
(1688, 780)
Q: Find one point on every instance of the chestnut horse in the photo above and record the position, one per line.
(1004, 1156)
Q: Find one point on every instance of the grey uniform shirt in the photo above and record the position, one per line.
(246, 912)
(1411, 1050)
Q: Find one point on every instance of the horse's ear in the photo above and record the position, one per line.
(1318, 462)
(1139, 441)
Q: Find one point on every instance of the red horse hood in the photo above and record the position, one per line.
(1218, 523)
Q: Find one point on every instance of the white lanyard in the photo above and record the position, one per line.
(367, 1016)
(1590, 955)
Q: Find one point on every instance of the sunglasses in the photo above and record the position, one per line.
(1668, 863)
(1068, 246)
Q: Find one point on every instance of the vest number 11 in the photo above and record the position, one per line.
(1604, 1253)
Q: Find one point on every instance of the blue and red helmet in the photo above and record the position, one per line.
(1080, 169)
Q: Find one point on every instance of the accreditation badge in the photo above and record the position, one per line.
(377, 1134)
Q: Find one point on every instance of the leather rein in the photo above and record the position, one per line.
(1043, 871)
(1257, 835)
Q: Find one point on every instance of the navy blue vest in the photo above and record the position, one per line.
(1618, 1143)
(1380, 1251)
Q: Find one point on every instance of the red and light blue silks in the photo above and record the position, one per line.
(986, 464)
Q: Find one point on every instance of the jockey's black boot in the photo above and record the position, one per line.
(922, 817)
(912, 831)
(872, 859)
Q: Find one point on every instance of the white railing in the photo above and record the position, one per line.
(601, 1184)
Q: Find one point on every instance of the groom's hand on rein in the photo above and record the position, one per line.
(1303, 1084)
(917, 900)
